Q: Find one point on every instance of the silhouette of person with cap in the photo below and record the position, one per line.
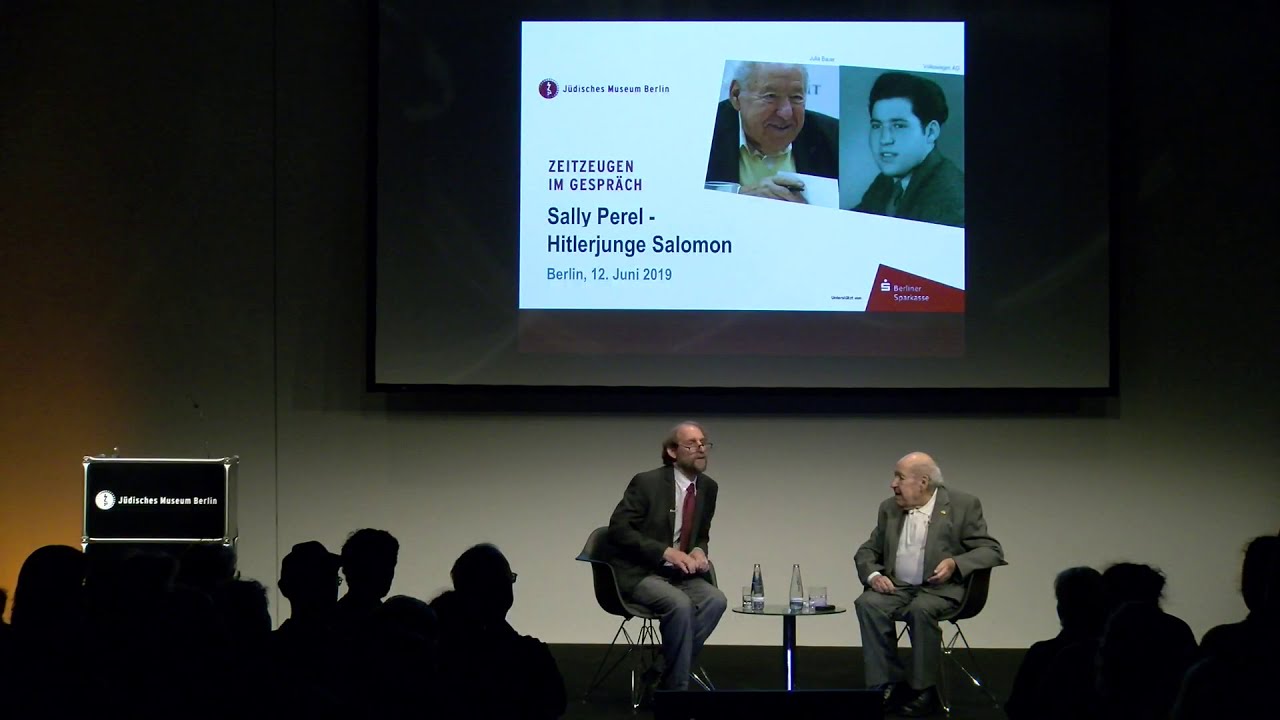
(305, 645)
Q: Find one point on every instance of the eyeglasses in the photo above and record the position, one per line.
(694, 446)
(513, 578)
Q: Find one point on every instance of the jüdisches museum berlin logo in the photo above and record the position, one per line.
(105, 500)
(548, 88)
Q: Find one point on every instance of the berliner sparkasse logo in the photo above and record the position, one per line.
(548, 88)
(105, 500)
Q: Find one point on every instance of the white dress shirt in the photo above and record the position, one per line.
(908, 566)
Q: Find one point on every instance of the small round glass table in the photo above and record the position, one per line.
(789, 629)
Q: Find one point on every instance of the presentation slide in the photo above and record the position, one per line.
(740, 197)
(707, 166)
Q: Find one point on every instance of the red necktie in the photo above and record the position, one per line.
(686, 525)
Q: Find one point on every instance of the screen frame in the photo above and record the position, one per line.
(474, 397)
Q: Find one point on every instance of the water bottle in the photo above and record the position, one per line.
(757, 588)
(797, 589)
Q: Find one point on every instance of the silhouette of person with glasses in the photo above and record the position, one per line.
(487, 668)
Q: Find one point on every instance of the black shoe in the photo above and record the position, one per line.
(895, 694)
(924, 704)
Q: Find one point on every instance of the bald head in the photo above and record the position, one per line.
(924, 465)
(915, 478)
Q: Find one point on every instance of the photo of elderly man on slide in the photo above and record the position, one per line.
(765, 136)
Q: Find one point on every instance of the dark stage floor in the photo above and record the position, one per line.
(761, 668)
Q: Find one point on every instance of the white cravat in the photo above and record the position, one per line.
(908, 565)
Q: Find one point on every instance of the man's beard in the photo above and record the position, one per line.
(691, 469)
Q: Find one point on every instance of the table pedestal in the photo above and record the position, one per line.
(789, 616)
(789, 648)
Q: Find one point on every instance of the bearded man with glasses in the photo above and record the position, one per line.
(659, 537)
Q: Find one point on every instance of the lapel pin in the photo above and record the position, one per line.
(944, 512)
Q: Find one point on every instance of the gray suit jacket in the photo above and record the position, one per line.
(956, 530)
(643, 524)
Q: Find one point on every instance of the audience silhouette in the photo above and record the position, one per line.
(49, 597)
(180, 634)
(369, 563)
(1081, 612)
(47, 629)
(1257, 575)
(1239, 660)
(369, 560)
(309, 580)
(305, 647)
(1143, 651)
(1128, 667)
(493, 671)
(404, 656)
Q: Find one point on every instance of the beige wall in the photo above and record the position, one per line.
(1056, 492)
(164, 248)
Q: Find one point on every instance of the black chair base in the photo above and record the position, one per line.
(949, 653)
(646, 647)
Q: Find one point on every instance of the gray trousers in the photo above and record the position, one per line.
(920, 611)
(688, 610)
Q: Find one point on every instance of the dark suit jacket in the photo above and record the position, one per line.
(816, 150)
(643, 524)
(956, 530)
(934, 195)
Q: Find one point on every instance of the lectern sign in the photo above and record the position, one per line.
(159, 500)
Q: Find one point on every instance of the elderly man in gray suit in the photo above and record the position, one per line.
(928, 539)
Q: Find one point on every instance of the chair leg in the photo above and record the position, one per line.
(601, 673)
(700, 676)
(647, 646)
(948, 650)
(944, 692)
